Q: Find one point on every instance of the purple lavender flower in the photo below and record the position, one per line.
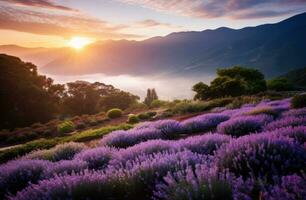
(243, 125)
(298, 133)
(87, 185)
(262, 155)
(16, 175)
(286, 122)
(96, 158)
(64, 151)
(203, 123)
(203, 182)
(295, 113)
(291, 187)
(123, 139)
(64, 167)
(204, 144)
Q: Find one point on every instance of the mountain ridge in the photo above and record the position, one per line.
(272, 48)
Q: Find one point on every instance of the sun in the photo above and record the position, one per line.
(79, 42)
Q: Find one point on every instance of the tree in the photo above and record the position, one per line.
(280, 84)
(118, 99)
(202, 91)
(25, 96)
(233, 81)
(254, 79)
(151, 96)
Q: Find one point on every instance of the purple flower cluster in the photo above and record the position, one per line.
(203, 123)
(286, 122)
(154, 160)
(262, 155)
(243, 125)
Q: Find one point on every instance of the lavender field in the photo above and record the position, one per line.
(256, 152)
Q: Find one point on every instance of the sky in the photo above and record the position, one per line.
(52, 23)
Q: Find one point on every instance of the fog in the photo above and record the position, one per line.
(167, 87)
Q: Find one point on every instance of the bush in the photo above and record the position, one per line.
(264, 110)
(16, 175)
(157, 103)
(299, 101)
(286, 122)
(280, 84)
(66, 127)
(96, 158)
(133, 119)
(244, 125)
(203, 123)
(196, 184)
(60, 152)
(114, 113)
(143, 116)
(262, 156)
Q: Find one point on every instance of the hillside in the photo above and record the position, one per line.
(273, 48)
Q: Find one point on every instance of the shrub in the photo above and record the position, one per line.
(145, 148)
(16, 175)
(157, 103)
(64, 167)
(244, 125)
(133, 119)
(152, 113)
(291, 187)
(295, 113)
(299, 101)
(298, 133)
(203, 144)
(87, 185)
(60, 152)
(263, 156)
(286, 122)
(200, 183)
(123, 139)
(65, 127)
(145, 171)
(143, 116)
(280, 84)
(264, 110)
(96, 158)
(114, 113)
(203, 123)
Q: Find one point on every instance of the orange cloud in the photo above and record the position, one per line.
(39, 3)
(59, 24)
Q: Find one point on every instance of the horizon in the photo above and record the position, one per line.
(54, 24)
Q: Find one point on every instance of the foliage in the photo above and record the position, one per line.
(114, 113)
(118, 99)
(280, 84)
(64, 151)
(157, 103)
(25, 96)
(151, 96)
(66, 127)
(133, 119)
(299, 101)
(84, 136)
(234, 81)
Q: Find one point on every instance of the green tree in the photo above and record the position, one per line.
(118, 99)
(280, 84)
(202, 91)
(151, 96)
(25, 96)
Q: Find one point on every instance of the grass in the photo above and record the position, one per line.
(83, 136)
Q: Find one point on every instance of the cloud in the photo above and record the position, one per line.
(38, 3)
(225, 8)
(64, 25)
(153, 23)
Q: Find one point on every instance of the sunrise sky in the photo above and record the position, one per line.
(52, 23)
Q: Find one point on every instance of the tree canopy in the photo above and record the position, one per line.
(233, 81)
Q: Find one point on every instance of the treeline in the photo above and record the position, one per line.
(237, 81)
(27, 97)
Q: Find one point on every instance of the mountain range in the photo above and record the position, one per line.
(272, 48)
